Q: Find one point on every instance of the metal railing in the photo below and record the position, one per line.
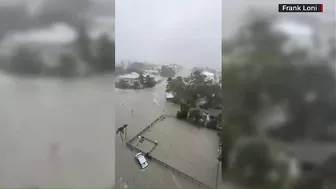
(145, 129)
(175, 171)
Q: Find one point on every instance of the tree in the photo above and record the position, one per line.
(26, 61)
(136, 85)
(254, 161)
(197, 78)
(105, 54)
(68, 65)
(142, 78)
(122, 84)
(212, 94)
(259, 74)
(177, 86)
(167, 71)
(195, 115)
(200, 87)
(190, 90)
(149, 81)
(183, 113)
(194, 87)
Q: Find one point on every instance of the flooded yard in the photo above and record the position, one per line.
(57, 133)
(185, 147)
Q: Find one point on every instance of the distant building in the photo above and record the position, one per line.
(158, 68)
(130, 78)
(151, 72)
(169, 96)
(50, 43)
(209, 76)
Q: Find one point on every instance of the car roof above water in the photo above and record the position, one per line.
(142, 159)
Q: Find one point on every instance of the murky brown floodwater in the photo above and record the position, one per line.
(56, 133)
(147, 105)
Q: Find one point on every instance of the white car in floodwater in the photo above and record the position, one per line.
(141, 160)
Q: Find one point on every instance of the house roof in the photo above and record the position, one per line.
(209, 74)
(132, 75)
(169, 95)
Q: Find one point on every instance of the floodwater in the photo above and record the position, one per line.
(57, 133)
(190, 149)
(147, 105)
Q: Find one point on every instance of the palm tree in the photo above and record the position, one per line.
(121, 131)
(125, 128)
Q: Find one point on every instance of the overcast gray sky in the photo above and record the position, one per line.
(186, 32)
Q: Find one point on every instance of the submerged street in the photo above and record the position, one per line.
(147, 105)
(56, 133)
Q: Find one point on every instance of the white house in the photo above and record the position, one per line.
(209, 76)
(169, 96)
(151, 72)
(53, 41)
(50, 43)
(131, 77)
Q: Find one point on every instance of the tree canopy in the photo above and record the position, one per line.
(259, 71)
(194, 87)
(268, 75)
